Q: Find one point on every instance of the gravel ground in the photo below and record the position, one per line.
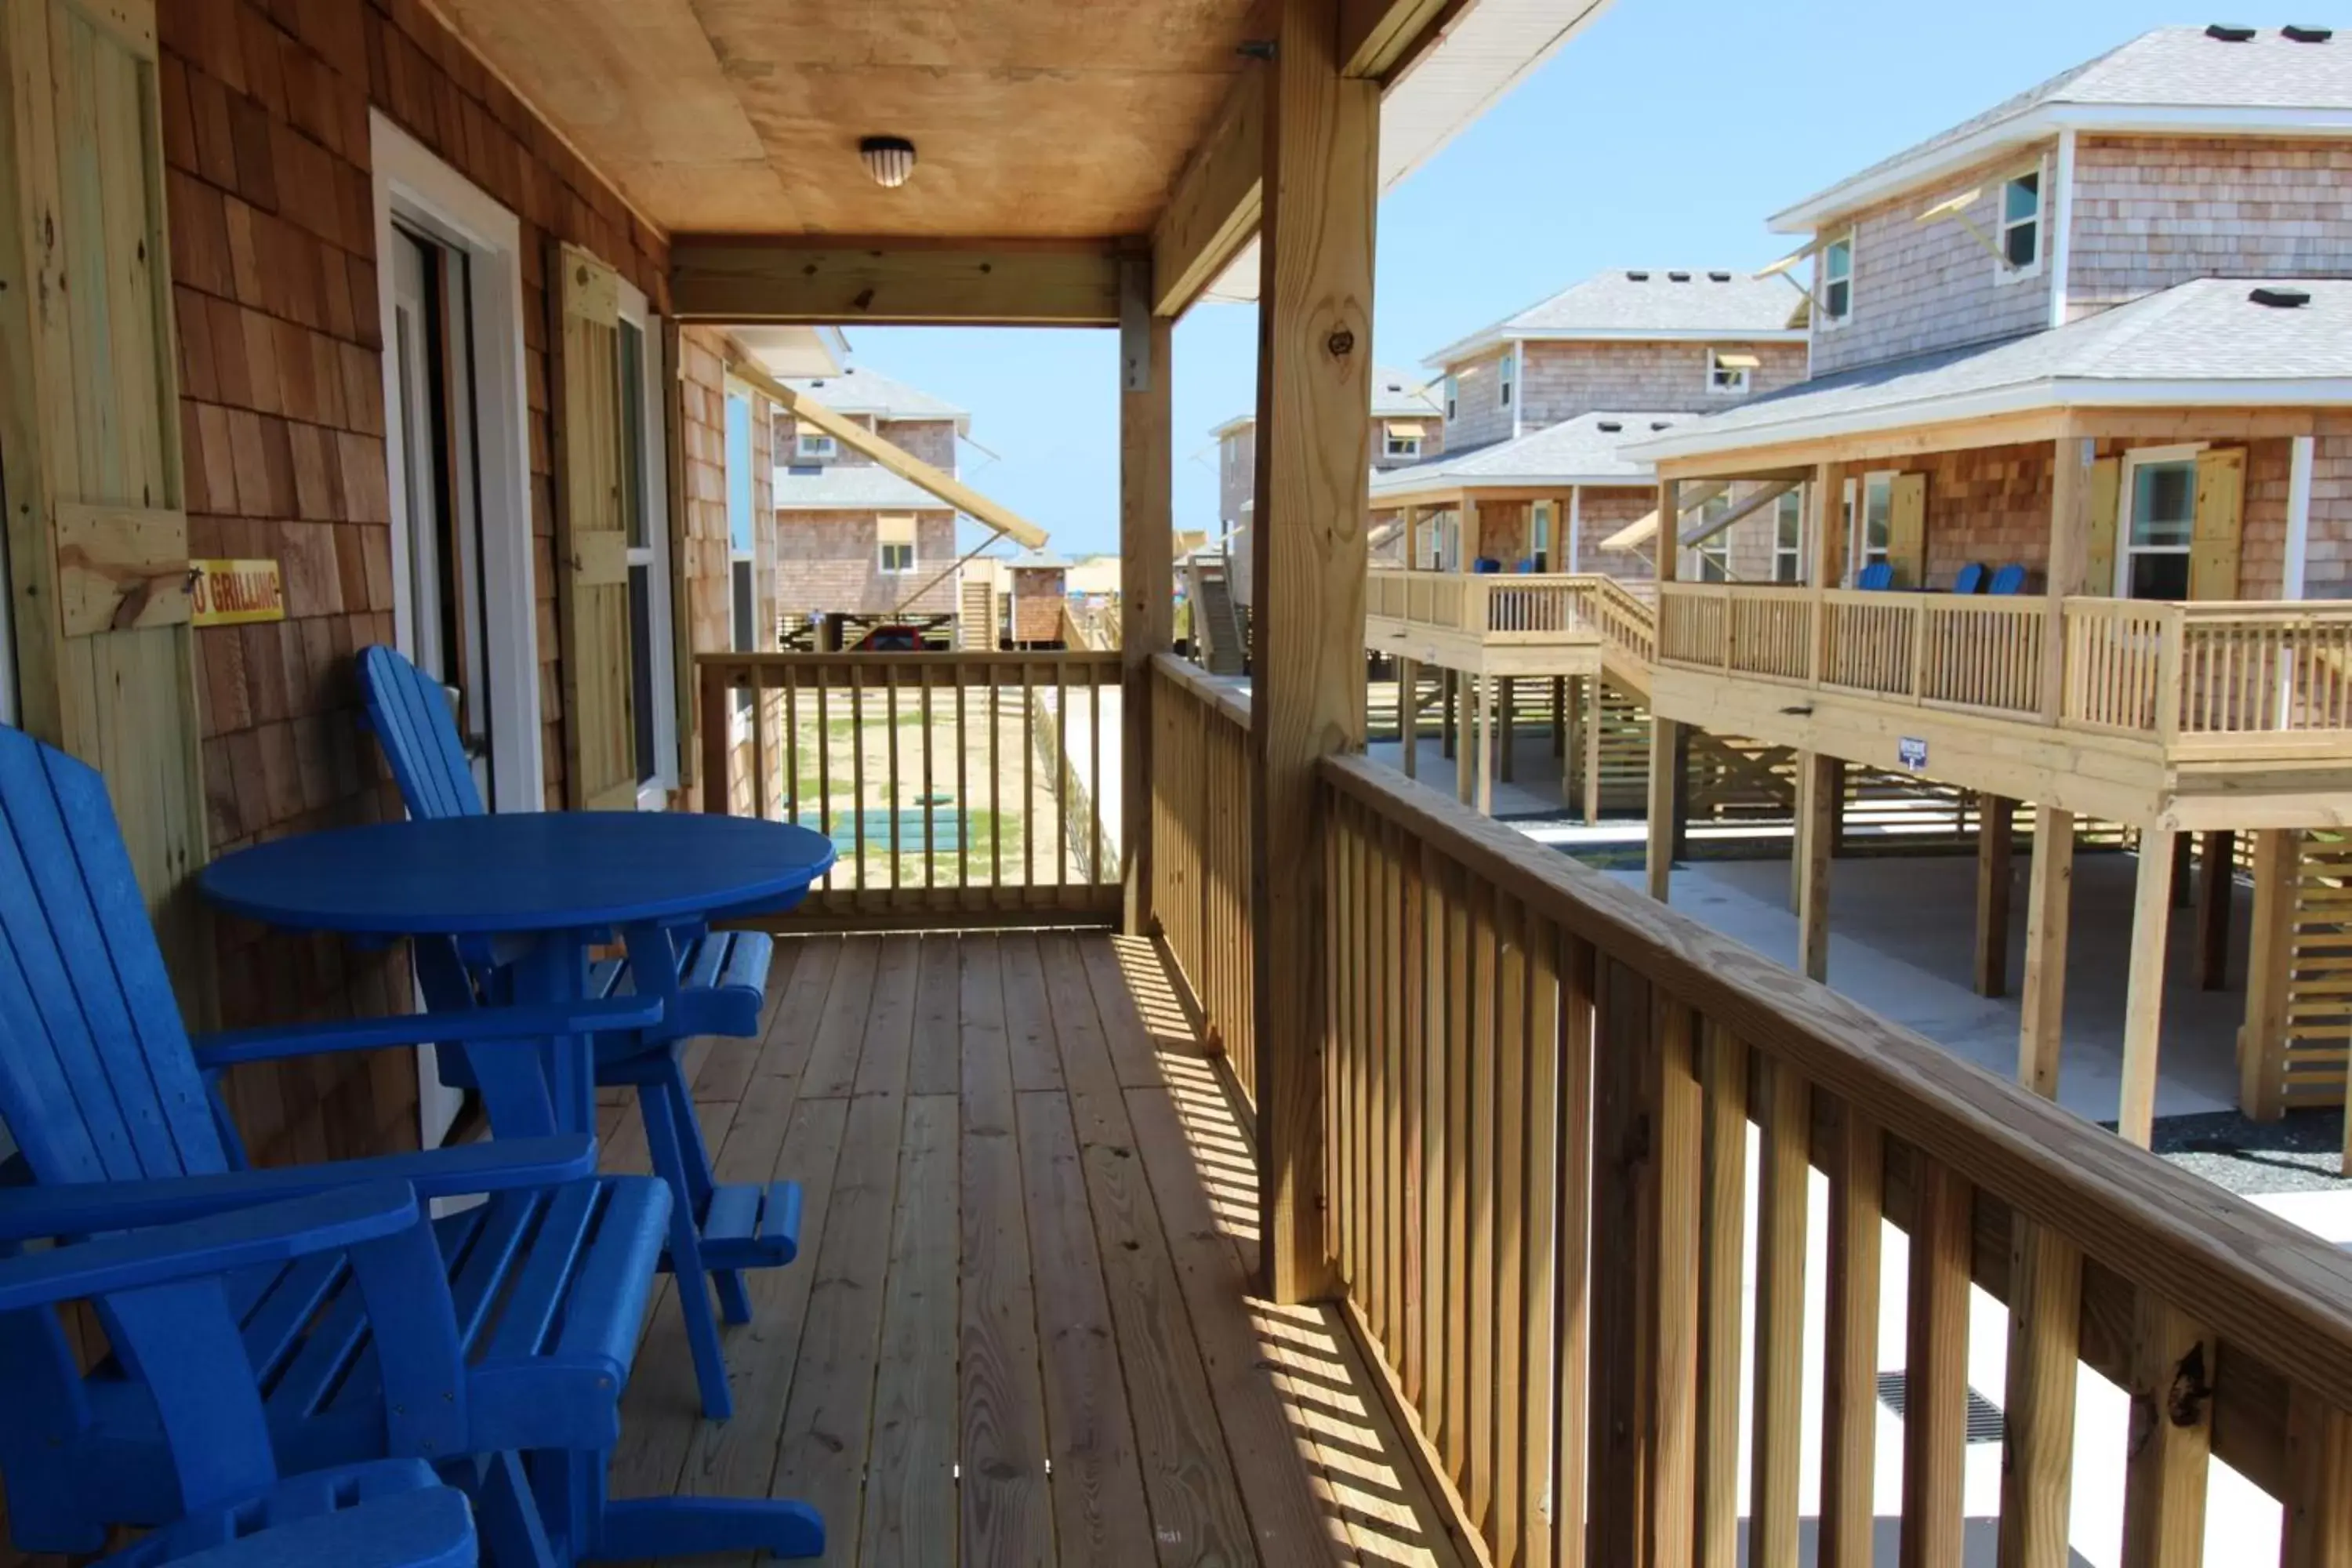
(2297, 1153)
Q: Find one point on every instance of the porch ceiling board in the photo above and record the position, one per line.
(1030, 120)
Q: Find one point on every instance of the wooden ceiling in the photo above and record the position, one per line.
(1031, 119)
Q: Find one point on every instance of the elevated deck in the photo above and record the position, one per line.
(1571, 624)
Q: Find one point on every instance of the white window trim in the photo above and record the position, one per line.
(2002, 272)
(1714, 370)
(635, 310)
(428, 194)
(1857, 520)
(739, 727)
(2126, 486)
(1804, 513)
(814, 444)
(1402, 445)
(1852, 235)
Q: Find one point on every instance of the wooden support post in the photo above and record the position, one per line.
(2070, 548)
(1670, 528)
(2270, 950)
(1996, 816)
(1409, 715)
(1682, 815)
(2217, 883)
(1559, 716)
(1593, 737)
(2184, 869)
(1826, 537)
(1314, 463)
(1665, 746)
(2143, 998)
(1449, 698)
(1482, 738)
(1837, 808)
(1506, 724)
(2047, 899)
(1146, 587)
(1466, 737)
(1570, 705)
(1817, 783)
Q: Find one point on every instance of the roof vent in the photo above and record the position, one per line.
(1718, 277)
(2294, 35)
(2280, 299)
(1660, 424)
(2222, 33)
(1677, 277)
(1634, 277)
(1613, 426)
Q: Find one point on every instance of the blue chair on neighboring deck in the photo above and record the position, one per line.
(715, 984)
(503, 1330)
(161, 1294)
(2009, 579)
(1877, 577)
(1970, 578)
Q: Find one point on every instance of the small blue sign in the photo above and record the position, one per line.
(1911, 751)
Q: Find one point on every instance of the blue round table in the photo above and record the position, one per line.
(560, 882)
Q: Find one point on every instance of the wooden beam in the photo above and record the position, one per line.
(2144, 993)
(1996, 819)
(1664, 748)
(2270, 950)
(1314, 467)
(742, 280)
(1147, 573)
(891, 456)
(1217, 201)
(1669, 529)
(2217, 879)
(2047, 899)
(2070, 547)
(1818, 781)
(1377, 38)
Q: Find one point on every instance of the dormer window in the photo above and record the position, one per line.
(1503, 381)
(1837, 279)
(815, 446)
(1727, 373)
(2020, 221)
(1403, 441)
(1453, 398)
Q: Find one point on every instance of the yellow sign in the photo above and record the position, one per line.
(230, 592)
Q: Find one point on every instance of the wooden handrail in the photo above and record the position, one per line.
(1480, 981)
(1200, 850)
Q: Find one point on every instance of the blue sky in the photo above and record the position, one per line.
(1664, 135)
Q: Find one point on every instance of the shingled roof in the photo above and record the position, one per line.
(1586, 450)
(1635, 303)
(858, 390)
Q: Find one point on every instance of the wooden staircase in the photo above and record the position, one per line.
(1215, 627)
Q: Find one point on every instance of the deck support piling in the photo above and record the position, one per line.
(2217, 879)
(1506, 724)
(2270, 951)
(1592, 734)
(1816, 783)
(1570, 706)
(1666, 745)
(1409, 715)
(1321, 153)
(1996, 819)
(1481, 732)
(1560, 717)
(1449, 684)
(1146, 565)
(1462, 732)
(2048, 896)
(2143, 998)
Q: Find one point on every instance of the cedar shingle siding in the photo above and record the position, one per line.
(831, 560)
(1562, 380)
(264, 126)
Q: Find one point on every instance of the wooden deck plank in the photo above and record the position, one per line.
(791, 1035)
(1128, 965)
(935, 1068)
(1028, 1024)
(726, 1068)
(1005, 1515)
(910, 1509)
(828, 1424)
(841, 1028)
(1100, 1513)
(1087, 1074)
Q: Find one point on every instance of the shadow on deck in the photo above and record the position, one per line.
(1019, 1329)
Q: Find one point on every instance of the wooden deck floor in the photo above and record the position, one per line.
(1018, 1331)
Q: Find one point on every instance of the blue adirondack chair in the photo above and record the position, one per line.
(1877, 577)
(2009, 579)
(1970, 579)
(516, 1319)
(711, 983)
(161, 1289)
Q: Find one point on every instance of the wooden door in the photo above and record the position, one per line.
(2099, 555)
(90, 438)
(600, 758)
(1907, 530)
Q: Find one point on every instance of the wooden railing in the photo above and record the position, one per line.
(1541, 1090)
(1201, 848)
(956, 786)
(1567, 606)
(2116, 663)
(2249, 669)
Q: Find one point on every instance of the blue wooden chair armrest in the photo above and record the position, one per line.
(428, 1528)
(472, 1026)
(217, 1244)
(86, 1208)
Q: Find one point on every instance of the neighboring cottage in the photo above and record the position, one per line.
(2092, 347)
(853, 538)
(1536, 407)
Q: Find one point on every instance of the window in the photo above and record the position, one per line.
(743, 598)
(1713, 552)
(2162, 499)
(1403, 441)
(1789, 538)
(646, 505)
(1540, 535)
(1727, 374)
(1509, 373)
(1873, 531)
(1452, 397)
(1837, 279)
(2020, 222)
(815, 446)
(894, 543)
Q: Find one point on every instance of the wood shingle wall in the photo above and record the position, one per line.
(265, 131)
(1563, 381)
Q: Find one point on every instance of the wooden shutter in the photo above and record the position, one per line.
(600, 762)
(2221, 516)
(2099, 553)
(681, 574)
(89, 436)
(1907, 530)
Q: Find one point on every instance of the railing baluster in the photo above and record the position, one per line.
(1572, 1277)
(1480, 1166)
(1850, 1378)
(824, 673)
(2170, 1448)
(791, 744)
(1622, 1157)
(759, 743)
(931, 788)
(857, 771)
(1534, 1105)
(1510, 1056)
(2319, 1477)
(1029, 776)
(891, 782)
(2045, 1303)
(1722, 1291)
(1673, 1242)
(1935, 1361)
(1783, 1171)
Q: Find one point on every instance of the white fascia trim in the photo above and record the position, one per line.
(1245, 422)
(1471, 347)
(2047, 120)
(2022, 398)
(1514, 481)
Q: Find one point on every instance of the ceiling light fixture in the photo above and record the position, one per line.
(890, 159)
